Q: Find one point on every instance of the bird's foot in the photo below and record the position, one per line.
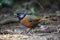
(23, 32)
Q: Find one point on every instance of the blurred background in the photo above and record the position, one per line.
(29, 6)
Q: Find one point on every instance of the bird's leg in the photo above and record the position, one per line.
(28, 30)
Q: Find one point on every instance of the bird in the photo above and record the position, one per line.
(29, 21)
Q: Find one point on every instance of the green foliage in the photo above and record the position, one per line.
(0, 5)
(31, 11)
(9, 2)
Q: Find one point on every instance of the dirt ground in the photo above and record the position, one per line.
(29, 37)
(14, 30)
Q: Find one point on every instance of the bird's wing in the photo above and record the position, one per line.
(35, 18)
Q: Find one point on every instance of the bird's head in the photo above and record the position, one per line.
(21, 15)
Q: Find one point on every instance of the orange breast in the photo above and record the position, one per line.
(25, 22)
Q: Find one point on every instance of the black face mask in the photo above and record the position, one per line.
(20, 16)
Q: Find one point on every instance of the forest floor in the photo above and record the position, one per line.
(13, 31)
